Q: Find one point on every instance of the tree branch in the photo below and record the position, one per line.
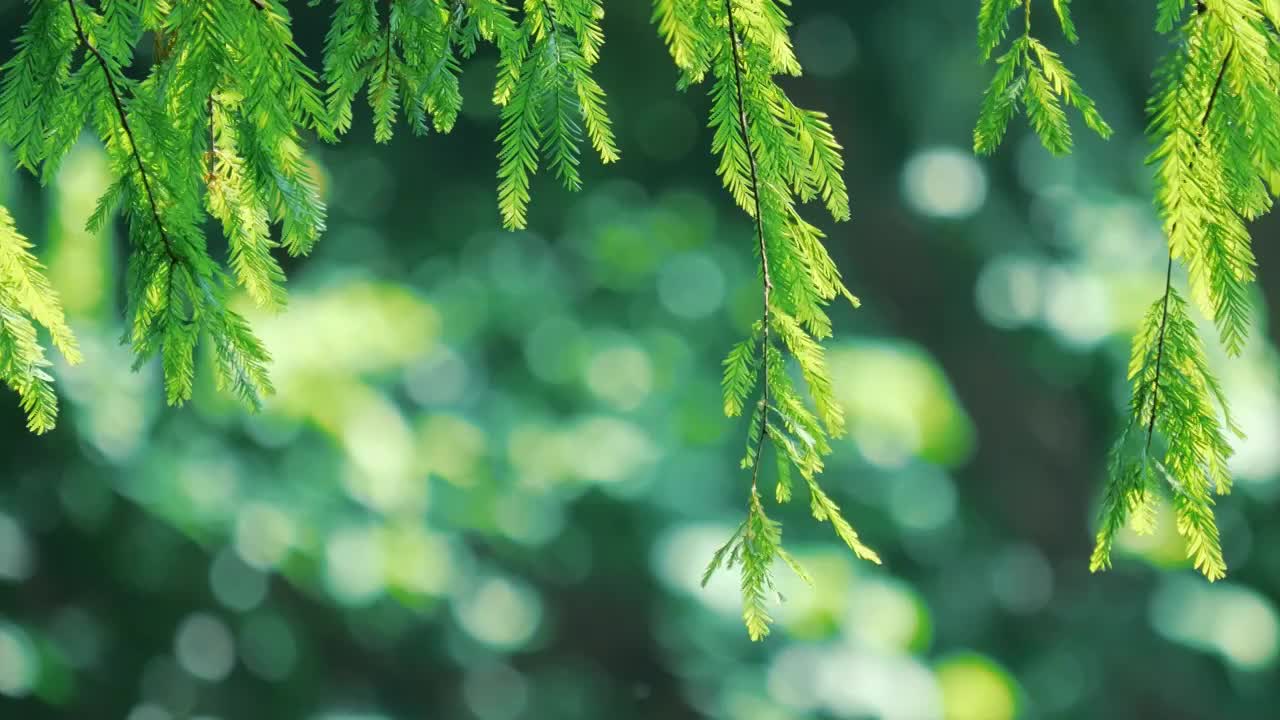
(174, 257)
(764, 251)
(1168, 274)
(386, 60)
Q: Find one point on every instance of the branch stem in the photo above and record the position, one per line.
(174, 257)
(1168, 273)
(764, 250)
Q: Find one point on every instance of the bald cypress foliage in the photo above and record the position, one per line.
(1214, 123)
(213, 134)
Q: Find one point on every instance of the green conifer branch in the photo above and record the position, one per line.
(1210, 165)
(773, 155)
(1168, 274)
(1168, 363)
(169, 249)
(1208, 185)
(27, 298)
(1033, 76)
(767, 281)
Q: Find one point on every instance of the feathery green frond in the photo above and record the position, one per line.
(724, 555)
(1064, 85)
(754, 547)
(31, 117)
(26, 298)
(1177, 404)
(993, 23)
(1129, 498)
(409, 54)
(760, 541)
(1063, 10)
(773, 156)
(1216, 124)
(244, 216)
(549, 99)
(1033, 76)
(1271, 9)
(824, 509)
(1000, 102)
(1045, 113)
(1168, 14)
(519, 143)
(685, 27)
(741, 374)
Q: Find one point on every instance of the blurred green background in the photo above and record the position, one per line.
(496, 464)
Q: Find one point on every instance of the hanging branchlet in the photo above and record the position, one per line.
(409, 53)
(1032, 76)
(773, 157)
(549, 100)
(1216, 126)
(1213, 167)
(27, 299)
(1177, 404)
(239, 74)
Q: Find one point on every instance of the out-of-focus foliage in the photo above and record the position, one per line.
(495, 464)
